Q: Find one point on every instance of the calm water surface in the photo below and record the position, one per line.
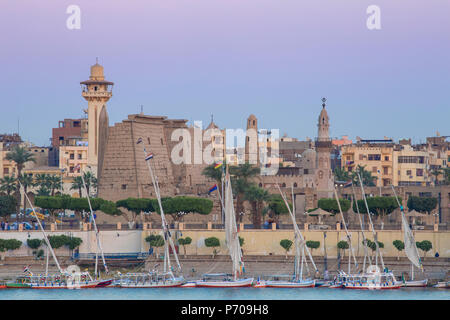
(225, 294)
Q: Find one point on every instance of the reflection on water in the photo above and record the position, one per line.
(225, 294)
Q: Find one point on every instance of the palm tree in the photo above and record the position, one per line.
(256, 196)
(240, 179)
(26, 181)
(341, 175)
(77, 184)
(90, 180)
(366, 176)
(20, 155)
(216, 175)
(54, 183)
(8, 184)
(42, 181)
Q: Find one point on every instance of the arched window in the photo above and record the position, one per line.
(260, 185)
(283, 185)
(295, 184)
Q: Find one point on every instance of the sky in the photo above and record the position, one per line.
(188, 59)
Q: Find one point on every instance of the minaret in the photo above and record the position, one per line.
(324, 176)
(251, 141)
(97, 92)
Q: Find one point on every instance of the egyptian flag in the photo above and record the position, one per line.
(148, 156)
(77, 167)
(139, 141)
(212, 189)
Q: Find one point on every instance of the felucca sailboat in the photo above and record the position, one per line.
(69, 278)
(155, 278)
(232, 241)
(411, 250)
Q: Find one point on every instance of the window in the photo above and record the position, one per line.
(148, 140)
(305, 171)
(162, 142)
(72, 156)
(5, 170)
(374, 169)
(419, 172)
(411, 159)
(71, 169)
(124, 187)
(374, 157)
(79, 156)
(386, 158)
(295, 184)
(385, 170)
(408, 172)
(361, 157)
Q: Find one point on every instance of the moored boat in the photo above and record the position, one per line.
(222, 280)
(373, 279)
(149, 280)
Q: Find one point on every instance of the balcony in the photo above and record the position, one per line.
(96, 94)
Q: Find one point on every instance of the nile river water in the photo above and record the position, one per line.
(225, 294)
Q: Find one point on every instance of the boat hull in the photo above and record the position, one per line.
(371, 287)
(415, 284)
(159, 284)
(225, 284)
(290, 284)
(86, 285)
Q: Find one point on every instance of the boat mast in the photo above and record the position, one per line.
(165, 226)
(97, 235)
(297, 245)
(371, 224)
(43, 231)
(366, 255)
(349, 238)
(296, 229)
(409, 240)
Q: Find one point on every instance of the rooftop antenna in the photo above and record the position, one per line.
(142, 109)
(323, 102)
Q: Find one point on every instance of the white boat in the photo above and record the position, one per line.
(222, 280)
(278, 282)
(149, 280)
(189, 284)
(234, 248)
(372, 279)
(416, 283)
(442, 284)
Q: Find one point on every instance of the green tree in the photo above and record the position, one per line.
(241, 241)
(422, 204)
(213, 242)
(77, 184)
(436, 173)
(343, 245)
(9, 245)
(8, 185)
(182, 204)
(241, 176)
(366, 176)
(34, 243)
(7, 205)
(58, 241)
(256, 196)
(136, 206)
(341, 175)
(425, 246)
(26, 181)
(54, 183)
(155, 241)
(380, 206)
(331, 205)
(73, 242)
(184, 242)
(399, 245)
(286, 244)
(19, 155)
(276, 207)
(313, 245)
